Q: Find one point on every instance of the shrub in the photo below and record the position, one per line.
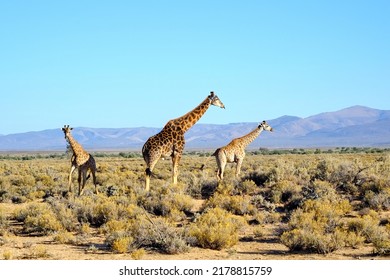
(3, 221)
(138, 254)
(216, 229)
(38, 252)
(258, 201)
(317, 227)
(38, 218)
(382, 245)
(164, 201)
(121, 245)
(120, 241)
(319, 189)
(313, 241)
(239, 205)
(377, 201)
(144, 231)
(64, 237)
(160, 234)
(7, 255)
(367, 226)
(96, 210)
(285, 191)
(65, 215)
(246, 187)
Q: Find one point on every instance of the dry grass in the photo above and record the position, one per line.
(309, 203)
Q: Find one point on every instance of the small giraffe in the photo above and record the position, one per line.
(81, 160)
(235, 150)
(169, 142)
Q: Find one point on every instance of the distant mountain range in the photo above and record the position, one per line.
(356, 126)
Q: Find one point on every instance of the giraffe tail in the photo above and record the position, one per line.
(207, 159)
(149, 173)
(216, 152)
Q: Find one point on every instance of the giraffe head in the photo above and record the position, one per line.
(66, 129)
(214, 100)
(265, 126)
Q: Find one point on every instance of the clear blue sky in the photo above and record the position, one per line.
(141, 63)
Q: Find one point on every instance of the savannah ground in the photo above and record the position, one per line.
(296, 204)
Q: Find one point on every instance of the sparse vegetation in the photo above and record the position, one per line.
(216, 229)
(311, 201)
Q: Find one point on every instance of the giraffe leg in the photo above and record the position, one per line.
(219, 169)
(79, 180)
(70, 177)
(148, 174)
(222, 170)
(94, 181)
(238, 167)
(83, 181)
(175, 163)
(221, 162)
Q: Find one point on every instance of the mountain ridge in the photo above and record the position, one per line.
(358, 126)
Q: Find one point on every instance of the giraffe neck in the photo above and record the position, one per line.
(76, 147)
(188, 120)
(250, 137)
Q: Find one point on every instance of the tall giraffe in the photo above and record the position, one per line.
(81, 160)
(235, 150)
(169, 142)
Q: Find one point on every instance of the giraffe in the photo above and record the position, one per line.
(81, 160)
(169, 142)
(235, 150)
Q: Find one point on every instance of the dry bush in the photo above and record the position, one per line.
(238, 205)
(7, 255)
(246, 187)
(231, 198)
(38, 252)
(138, 254)
(64, 237)
(166, 200)
(3, 222)
(382, 241)
(216, 229)
(367, 226)
(317, 227)
(378, 201)
(38, 218)
(121, 244)
(97, 210)
(146, 232)
(285, 191)
(319, 189)
(65, 214)
(273, 189)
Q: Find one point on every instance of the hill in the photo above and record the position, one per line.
(356, 126)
